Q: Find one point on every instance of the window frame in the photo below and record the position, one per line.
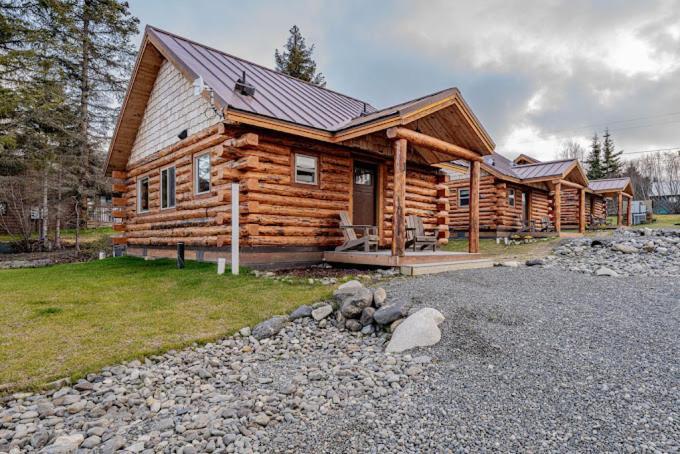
(460, 203)
(139, 194)
(195, 170)
(512, 197)
(317, 175)
(161, 189)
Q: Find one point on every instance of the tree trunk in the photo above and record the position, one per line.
(84, 104)
(57, 221)
(44, 215)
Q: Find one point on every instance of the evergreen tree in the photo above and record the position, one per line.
(296, 59)
(611, 159)
(594, 160)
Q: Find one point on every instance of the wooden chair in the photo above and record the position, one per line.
(547, 225)
(526, 226)
(368, 239)
(415, 234)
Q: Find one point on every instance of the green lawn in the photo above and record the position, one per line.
(666, 221)
(68, 235)
(488, 247)
(68, 320)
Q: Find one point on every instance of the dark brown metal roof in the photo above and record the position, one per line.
(277, 95)
(543, 169)
(609, 184)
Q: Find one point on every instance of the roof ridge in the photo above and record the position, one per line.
(614, 178)
(256, 64)
(546, 162)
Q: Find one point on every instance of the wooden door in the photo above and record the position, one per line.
(364, 196)
(526, 211)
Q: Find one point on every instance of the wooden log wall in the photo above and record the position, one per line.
(495, 212)
(275, 211)
(596, 205)
(570, 206)
(459, 217)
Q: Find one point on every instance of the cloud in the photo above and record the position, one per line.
(537, 73)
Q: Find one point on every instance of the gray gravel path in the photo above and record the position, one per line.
(531, 359)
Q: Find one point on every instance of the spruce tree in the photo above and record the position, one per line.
(296, 59)
(611, 159)
(594, 161)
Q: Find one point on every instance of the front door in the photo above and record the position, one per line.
(525, 208)
(364, 194)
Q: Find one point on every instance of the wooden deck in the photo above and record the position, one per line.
(413, 263)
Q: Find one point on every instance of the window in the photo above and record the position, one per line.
(511, 197)
(143, 195)
(168, 188)
(3, 208)
(463, 198)
(306, 169)
(202, 173)
(363, 176)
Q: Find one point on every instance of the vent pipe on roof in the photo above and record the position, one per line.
(244, 87)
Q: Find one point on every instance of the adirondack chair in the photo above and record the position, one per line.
(547, 225)
(526, 226)
(415, 234)
(368, 239)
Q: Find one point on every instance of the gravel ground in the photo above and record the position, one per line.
(530, 359)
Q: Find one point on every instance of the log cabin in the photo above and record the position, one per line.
(516, 194)
(618, 191)
(196, 120)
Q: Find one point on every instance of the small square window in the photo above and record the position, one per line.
(143, 195)
(306, 169)
(511, 197)
(168, 188)
(202, 173)
(463, 197)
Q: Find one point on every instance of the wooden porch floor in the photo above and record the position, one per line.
(413, 263)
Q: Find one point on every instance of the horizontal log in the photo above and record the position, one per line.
(433, 143)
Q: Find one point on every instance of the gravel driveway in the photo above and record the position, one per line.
(531, 359)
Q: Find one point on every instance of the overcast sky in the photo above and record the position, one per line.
(536, 73)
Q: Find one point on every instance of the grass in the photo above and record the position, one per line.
(68, 236)
(69, 320)
(666, 221)
(488, 246)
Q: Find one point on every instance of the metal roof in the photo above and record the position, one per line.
(609, 184)
(277, 95)
(543, 169)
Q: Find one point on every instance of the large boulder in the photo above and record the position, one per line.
(346, 289)
(390, 312)
(300, 312)
(420, 329)
(269, 328)
(625, 248)
(322, 312)
(367, 316)
(354, 303)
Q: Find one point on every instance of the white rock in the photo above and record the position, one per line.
(417, 330)
(510, 264)
(65, 444)
(322, 312)
(604, 271)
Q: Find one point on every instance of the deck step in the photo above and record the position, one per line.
(442, 267)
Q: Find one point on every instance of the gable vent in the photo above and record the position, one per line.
(243, 87)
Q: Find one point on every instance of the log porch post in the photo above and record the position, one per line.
(629, 212)
(557, 205)
(619, 210)
(582, 211)
(473, 233)
(399, 198)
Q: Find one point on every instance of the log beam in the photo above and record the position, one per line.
(629, 211)
(619, 209)
(582, 211)
(399, 198)
(248, 140)
(473, 233)
(432, 143)
(557, 206)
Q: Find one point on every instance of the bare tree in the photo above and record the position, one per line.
(21, 194)
(571, 149)
(659, 177)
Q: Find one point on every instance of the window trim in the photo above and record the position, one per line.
(512, 197)
(160, 192)
(316, 169)
(139, 194)
(460, 204)
(195, 170)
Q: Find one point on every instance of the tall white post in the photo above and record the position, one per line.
(234, 227)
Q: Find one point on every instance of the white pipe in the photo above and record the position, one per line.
(221, 265)
(234, 228)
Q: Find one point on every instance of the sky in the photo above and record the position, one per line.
(536, 73)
